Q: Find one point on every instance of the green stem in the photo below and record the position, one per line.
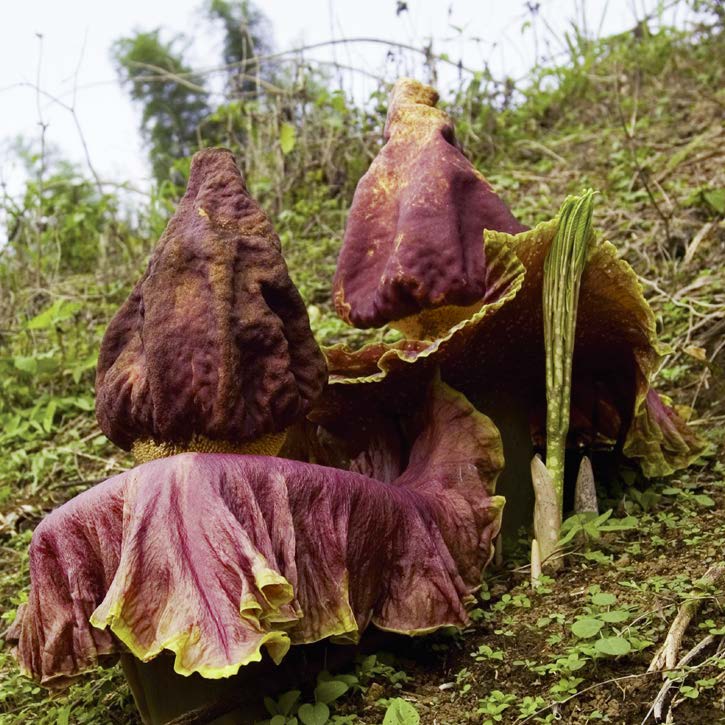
(563, 269)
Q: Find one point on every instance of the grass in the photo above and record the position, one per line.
(638, 117)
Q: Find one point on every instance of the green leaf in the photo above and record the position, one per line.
(317, 714)
(613, 646)
(704, 500)
(328, 692)
(578, 522)
(26, 364)
(41, 321)
(715, 198)
(46, 363)
(287, 701)
(84, 403)
(49, 416)
(60, 310)
(603, 599)
(616, 616)
(640, 644)
(599, 556)
(81, 366)
(586, 627)
(348, 679)
(338, 102)
(271, 706)
(287, 137)
(624, 524)
(400, 712)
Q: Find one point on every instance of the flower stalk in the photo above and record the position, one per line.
(563, 270)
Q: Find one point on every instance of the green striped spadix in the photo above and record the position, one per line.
(563, 269)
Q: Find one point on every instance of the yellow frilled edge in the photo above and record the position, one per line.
(274, 587)
(646, 442)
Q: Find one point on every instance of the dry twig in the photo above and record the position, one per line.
(667, 655)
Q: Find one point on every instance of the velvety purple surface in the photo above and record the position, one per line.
(214, 340)
(414, 236)
(214, 555)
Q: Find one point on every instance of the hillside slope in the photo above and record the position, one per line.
(638, 117)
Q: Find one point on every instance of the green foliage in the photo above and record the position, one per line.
(400, 712)
(60, 225)
(591, 526)
(494, 705)
(289, 709)
(173, 98)
(711, 199)
(246, 35)
(487, 653)
(287, 138)
(380, 666)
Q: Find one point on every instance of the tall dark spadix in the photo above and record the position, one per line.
(214, 342)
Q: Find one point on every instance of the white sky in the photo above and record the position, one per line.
(77, 35)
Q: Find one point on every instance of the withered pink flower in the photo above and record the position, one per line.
(442, 260)
(214, 341)
(217, 553)
(413, 236)
(214, 556)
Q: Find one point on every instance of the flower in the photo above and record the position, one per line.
(213, 555)
(413, 236)
(217, 552)
(214, 341)
(471, 303)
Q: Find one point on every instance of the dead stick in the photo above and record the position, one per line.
(667, 655)
(659, 700)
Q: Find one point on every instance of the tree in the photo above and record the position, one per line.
(246, 37)
(173, 98)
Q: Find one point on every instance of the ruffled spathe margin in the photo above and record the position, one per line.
(495, 352)
(659, 438)
(214, 556)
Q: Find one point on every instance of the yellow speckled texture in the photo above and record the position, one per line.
(147, 450)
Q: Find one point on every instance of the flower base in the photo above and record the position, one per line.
(163, 697)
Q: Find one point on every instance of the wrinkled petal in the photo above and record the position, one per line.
(213, 556)
(413, 236)
(659, 438)
(199, 573)
(440, 333)
(214, 341)
(74, 556)
(495, 355)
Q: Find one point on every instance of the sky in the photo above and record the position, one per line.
(56, 71)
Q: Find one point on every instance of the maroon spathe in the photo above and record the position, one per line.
(213, 556)
(214, 340)
(414, 236)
